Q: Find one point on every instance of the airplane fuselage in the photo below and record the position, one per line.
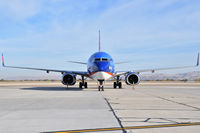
(100, 66)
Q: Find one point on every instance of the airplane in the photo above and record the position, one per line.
(100, 67)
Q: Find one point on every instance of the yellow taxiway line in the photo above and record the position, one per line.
(126, 128)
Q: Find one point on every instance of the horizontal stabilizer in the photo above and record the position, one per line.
(122, 62)
(77, 62)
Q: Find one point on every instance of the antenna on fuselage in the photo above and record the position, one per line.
(99, 41)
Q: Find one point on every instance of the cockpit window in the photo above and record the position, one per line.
(104, 59)
(101, 59)
(98, 59)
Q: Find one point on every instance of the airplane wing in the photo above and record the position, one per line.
(47, 70)
(157, 69)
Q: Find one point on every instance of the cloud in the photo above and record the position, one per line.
(20, 9)
(143, 22)
(59, 30)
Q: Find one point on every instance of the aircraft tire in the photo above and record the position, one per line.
(99, 89)
(86, 85)
(120, 85)
(102, 89)
(80, 85)
(114, 85)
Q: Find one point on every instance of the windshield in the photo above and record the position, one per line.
(101, 59)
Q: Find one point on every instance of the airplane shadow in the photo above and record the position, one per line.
(53, 88)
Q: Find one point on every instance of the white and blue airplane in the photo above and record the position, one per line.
(100, 67)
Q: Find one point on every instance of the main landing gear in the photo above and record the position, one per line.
(100, 88)
(117, 83)
(83, 83)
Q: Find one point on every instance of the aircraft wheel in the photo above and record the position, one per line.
(114, 85)
(86, 85)
(99, 88)
(120, 84)
(102, 89)
(80, 85)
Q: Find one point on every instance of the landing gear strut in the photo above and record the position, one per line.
(117, 83)
(83, 83)
(100, 88)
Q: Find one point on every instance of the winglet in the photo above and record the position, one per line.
(197, 60)
(99, 41)
(3, 61)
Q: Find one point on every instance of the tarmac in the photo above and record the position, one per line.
(33, 107)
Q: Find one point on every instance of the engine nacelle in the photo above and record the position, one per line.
(132, 78)
(69, 79)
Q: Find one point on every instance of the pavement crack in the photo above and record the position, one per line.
(178, 103)
(118, 119)
(170, 120)
(196, 108)
(147, 119)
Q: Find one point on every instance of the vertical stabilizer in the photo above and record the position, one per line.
(197, 60)
(99, 41)
(3, 60)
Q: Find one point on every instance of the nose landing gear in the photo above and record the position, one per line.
(100, 87)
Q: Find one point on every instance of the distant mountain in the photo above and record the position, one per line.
(153, 76)
(180, 76)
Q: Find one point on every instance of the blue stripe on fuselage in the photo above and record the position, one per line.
(96, 66)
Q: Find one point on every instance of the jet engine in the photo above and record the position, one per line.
(132, 78)
(69, 79)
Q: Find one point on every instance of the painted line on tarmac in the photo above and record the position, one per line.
(117, 118)
(126, 128)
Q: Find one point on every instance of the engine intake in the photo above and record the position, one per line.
(132, 78)
(69, 79)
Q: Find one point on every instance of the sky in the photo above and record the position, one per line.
(146, 33)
